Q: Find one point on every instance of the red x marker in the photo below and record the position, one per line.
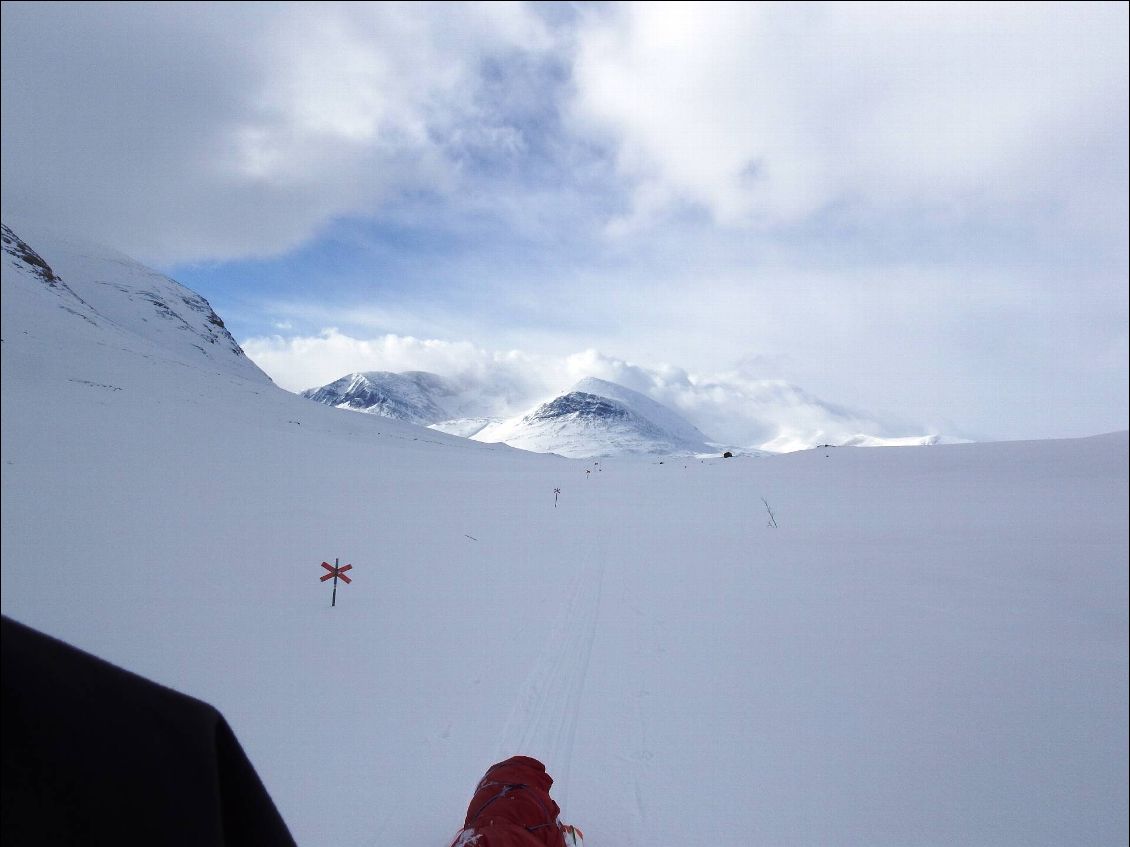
(335, 571)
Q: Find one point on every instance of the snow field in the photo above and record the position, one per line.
(930, 649)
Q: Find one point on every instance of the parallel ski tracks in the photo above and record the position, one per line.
(543, 722)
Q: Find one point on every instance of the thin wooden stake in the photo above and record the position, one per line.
(772, 520)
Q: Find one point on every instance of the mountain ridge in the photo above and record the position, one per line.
(135, 303)
(593, 418)
(409, 396)
(573, 422)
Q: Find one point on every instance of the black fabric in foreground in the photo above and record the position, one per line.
(93, 754)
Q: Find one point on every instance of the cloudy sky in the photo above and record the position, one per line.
(916, 210)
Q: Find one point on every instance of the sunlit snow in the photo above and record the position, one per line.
(930, 648)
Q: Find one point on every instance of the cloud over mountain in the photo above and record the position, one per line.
(732, 408)
(919, 208)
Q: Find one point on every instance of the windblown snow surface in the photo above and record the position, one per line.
(930, 648)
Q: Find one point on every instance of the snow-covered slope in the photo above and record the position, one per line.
(599, 418)
(463, 427)
(862, 440)
(414, 396)
(930, 648)
(133, 304)
(664, 418)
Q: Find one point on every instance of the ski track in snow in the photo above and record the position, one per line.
(944, 666)
(543, 722)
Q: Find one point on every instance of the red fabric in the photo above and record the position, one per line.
(512, 808)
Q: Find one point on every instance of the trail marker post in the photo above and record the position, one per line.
(335, 571)
(556, 494)
(772, 518)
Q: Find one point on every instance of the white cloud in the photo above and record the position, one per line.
(967, 349)
(190, 132)
(509, 380)
(732, 407)
(923, 207)
(769, 113)
(186, 132)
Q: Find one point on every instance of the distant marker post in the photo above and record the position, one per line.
(335, 570)
(556, 494)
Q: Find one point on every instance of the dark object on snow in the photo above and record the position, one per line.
(512, 808)
(727, 455)
(94, 754)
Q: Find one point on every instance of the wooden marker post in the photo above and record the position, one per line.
(335, 571)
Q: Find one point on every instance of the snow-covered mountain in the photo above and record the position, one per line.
(678, 428)
(593, 418)
(413, 396)
(756, 415)
(134, 305)
(599, 418)
(929, 647)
